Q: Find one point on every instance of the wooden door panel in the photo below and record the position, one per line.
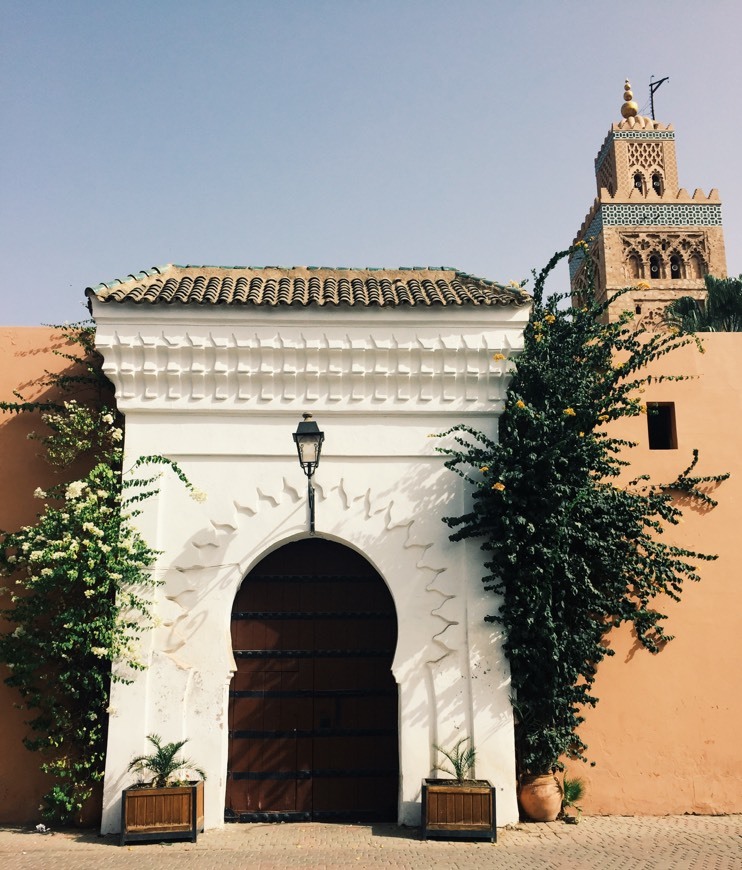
(332, 795)
(353, 631)
(357, 711)
(275, 795)
(313, 707)
(363, 753)
(351, 673)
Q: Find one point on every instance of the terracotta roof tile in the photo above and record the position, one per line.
(306, 285)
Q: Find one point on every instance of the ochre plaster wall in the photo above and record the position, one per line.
(24, 355)
(665, 731)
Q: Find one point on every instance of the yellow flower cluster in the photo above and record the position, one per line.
(498, 356)
(570, 412)
(520, 404)
(550, 318)
(498, 486)
(484, 469)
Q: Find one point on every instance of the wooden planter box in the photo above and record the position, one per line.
(173, 813)
(453, 810)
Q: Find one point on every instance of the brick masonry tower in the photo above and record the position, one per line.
(643, 229)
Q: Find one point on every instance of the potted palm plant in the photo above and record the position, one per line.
(167, 806)
(573, 790)
(460, 807)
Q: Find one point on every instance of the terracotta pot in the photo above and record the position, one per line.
(540, 797)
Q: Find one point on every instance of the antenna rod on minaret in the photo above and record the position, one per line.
(652, 88)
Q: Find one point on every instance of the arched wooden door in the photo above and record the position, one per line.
(313, 727)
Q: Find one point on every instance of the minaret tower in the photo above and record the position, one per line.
(644, 230)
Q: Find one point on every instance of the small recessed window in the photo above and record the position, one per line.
(637, 309)
(696, 268)
(635, 266)
(661, 426)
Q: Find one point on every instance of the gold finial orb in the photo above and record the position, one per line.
(629, 108)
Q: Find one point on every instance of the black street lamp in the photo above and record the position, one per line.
(308, 440)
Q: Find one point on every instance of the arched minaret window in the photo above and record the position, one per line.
(676, 266)
(657, 183)
(655, 266)
(639, 181)
(696, 268)
(635, 266)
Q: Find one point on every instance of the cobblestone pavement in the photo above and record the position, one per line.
(708, 842)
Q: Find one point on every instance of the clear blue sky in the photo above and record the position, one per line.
(334, 132)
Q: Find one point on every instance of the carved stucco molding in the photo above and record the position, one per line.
(207, 560)
(295, 368)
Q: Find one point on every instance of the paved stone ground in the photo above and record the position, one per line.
(699, 842)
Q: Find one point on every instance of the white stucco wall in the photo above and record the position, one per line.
(221, 391)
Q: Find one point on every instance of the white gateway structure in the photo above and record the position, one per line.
(312, 672)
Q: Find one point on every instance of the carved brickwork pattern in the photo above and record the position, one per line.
(652, 317)
(646, 155)
(690, 248)
(643, 135)
(606, 177)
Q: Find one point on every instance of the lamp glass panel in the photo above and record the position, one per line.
(308, 450)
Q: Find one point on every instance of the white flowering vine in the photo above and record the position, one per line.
(82, 585)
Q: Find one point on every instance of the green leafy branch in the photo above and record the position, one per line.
(570, 552)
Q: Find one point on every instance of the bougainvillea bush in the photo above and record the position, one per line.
(572, 551)
(80, 581)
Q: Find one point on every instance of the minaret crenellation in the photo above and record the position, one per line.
(644, 229)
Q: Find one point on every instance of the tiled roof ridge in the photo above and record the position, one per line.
(164, 267)
(307, 285)
(132, 276)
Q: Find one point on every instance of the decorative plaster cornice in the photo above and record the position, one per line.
(274, 366)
